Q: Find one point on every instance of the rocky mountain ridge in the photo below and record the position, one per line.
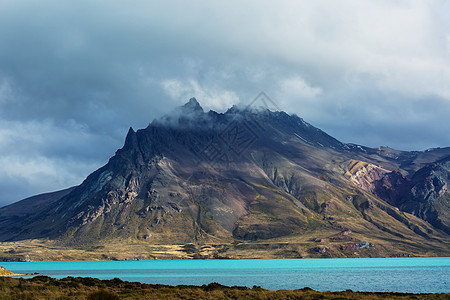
(246, 177)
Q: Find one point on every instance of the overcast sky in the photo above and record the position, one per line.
(74, 75)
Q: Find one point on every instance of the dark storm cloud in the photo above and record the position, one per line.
(75, 75)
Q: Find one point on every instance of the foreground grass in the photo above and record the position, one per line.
(43, 287)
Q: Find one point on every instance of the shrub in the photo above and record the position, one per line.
(102, 295)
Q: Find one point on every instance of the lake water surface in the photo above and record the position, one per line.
(412, 275)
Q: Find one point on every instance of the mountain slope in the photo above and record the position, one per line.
(425, 194)
(245, 179)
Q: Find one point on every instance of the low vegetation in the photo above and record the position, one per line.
(337, 242)
(4, 272)
(43, 287)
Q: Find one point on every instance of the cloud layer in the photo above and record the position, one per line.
(75, 75)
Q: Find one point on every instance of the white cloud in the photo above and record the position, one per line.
(38, 157)
(298, 88)
(44, 174)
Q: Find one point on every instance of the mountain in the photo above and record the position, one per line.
(245, 183)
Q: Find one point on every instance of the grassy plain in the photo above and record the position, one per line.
(308, 245)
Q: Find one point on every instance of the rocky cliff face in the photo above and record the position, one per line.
(243, 176)
(365, 175)
(428, 196)
(424, 193)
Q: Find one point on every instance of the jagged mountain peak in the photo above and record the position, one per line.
(131, 139)
(192, 105)
(191, 114)
(266, 124)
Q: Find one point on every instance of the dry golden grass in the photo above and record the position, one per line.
(293, 246)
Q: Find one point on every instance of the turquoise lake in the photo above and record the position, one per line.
(412, 275)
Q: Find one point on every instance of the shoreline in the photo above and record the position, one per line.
(218, 259)
(17, 275)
